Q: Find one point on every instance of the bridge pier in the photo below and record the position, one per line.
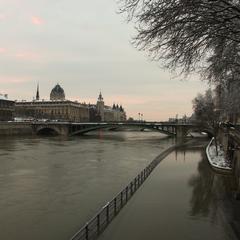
(181, 131)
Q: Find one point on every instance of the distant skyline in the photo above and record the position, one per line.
(85, 47)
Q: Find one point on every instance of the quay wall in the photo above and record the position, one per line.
(230, 141)
(14, 128)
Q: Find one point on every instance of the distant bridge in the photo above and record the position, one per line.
(71, 129)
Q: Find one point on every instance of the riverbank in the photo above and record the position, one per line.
(217, 158)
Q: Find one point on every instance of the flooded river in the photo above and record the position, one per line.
(182, 199)
(50, 186)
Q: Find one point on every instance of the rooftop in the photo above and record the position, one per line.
(3, 96)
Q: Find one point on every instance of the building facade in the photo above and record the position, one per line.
(100, 107)
(52, 110)
(57, 108)
(6, 108)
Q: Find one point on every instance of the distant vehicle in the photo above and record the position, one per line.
(43, 120)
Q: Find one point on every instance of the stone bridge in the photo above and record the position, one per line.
(70, 129)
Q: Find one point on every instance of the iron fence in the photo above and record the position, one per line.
(92, 229)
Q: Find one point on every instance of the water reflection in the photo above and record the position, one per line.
(203, 194)
(210, 191)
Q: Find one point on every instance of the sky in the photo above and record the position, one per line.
(85, 46)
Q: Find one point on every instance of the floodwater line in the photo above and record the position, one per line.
(96, 225)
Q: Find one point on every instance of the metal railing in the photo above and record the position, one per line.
(95, 226)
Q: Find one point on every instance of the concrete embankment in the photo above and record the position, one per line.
(15, 128)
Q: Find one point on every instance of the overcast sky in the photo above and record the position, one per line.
(85, 46)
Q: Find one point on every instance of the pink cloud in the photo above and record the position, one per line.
(2, 17)
(8, 79)
(3, 50)
(37, 20)
(27, 55)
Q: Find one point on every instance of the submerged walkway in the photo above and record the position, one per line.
(182, 199)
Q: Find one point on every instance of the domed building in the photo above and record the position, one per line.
(57, 93)
(58, 108)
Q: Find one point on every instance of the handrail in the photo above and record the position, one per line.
(97, 224)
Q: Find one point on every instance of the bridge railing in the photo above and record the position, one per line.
(95, 226)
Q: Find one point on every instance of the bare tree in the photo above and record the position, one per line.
(193, 35)
(184, 32)
(205, 112)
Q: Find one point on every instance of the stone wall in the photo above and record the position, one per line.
(231, 144)
(9, 128)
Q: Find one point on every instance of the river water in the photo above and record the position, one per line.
(50, 186)
(182, 199)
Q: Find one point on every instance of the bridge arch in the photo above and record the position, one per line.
(46, 130)
(117, 126)
(88, 129)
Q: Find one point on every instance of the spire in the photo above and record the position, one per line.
(37, 95)
(100, 98)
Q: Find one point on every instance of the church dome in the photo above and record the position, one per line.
(57, 93)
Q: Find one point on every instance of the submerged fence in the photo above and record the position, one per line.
(92, 229)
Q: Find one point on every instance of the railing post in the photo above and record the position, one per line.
(126, 193)
(131, 186)
(135, 184)
(107, 213)
(115, 206)
(98, 224)
(121, 199)
(86, 231)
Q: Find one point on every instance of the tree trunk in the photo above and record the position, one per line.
(216, 145)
